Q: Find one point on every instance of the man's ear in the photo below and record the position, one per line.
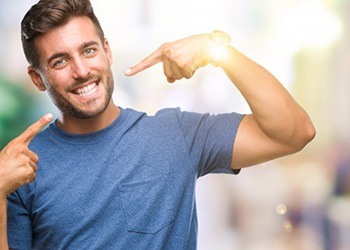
(108, 51)
(36, 78)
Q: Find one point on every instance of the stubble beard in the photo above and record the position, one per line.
(69, 109)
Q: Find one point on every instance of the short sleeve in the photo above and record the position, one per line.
(210, 139)
(19, 227)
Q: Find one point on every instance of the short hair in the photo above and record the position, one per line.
(47, 15)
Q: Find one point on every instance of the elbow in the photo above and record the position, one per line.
(311, 133)
(306, 133)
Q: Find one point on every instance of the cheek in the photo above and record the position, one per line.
(57, 81)
(102, 61)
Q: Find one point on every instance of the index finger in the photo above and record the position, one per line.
(149, 61)
(34, 129)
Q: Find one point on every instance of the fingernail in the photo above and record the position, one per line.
(127, 72)
(48, 116)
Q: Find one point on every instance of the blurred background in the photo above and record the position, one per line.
(294, 203)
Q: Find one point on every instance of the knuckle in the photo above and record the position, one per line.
(168, 52)
(27, 171)
(189, 73)
(6, 152)
(164, 46)
(21, 149)
(32, 177)
(31, 130)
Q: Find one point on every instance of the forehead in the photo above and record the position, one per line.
(67, 38)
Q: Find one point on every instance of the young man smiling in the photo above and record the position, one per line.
(77, 55)
(115, 178)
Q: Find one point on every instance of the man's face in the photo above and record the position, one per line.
(75, 69)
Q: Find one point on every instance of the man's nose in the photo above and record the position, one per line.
(80, 68)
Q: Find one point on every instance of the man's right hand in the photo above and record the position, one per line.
(18, 164)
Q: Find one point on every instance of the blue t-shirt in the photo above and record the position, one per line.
(128, 186)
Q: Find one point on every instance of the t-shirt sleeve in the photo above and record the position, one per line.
(210, 139)
(19, 228)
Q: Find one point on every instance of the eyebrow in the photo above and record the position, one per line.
(62, 54)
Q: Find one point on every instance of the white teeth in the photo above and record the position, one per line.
(87, 90)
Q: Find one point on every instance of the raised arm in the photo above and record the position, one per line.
(17, 168)
(278, 126)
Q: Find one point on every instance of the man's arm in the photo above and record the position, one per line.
(3, 224)
(278, 126)
(18, 165)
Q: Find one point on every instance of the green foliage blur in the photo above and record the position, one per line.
(16, 110)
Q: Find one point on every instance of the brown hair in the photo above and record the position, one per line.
(47, 15)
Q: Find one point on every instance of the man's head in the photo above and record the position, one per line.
(47, 15)
(69, 56)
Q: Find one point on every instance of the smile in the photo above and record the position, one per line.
(87, 90)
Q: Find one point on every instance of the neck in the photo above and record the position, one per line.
(85, 126)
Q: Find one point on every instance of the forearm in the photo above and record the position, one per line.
(277, 114)
(3, 224)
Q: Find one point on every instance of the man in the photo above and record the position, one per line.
(114, 178)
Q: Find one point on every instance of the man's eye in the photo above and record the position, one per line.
(89, 51)
(59, 63)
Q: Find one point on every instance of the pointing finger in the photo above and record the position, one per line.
(34, 129)
(149, 61)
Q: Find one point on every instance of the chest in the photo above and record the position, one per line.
(127, 188)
